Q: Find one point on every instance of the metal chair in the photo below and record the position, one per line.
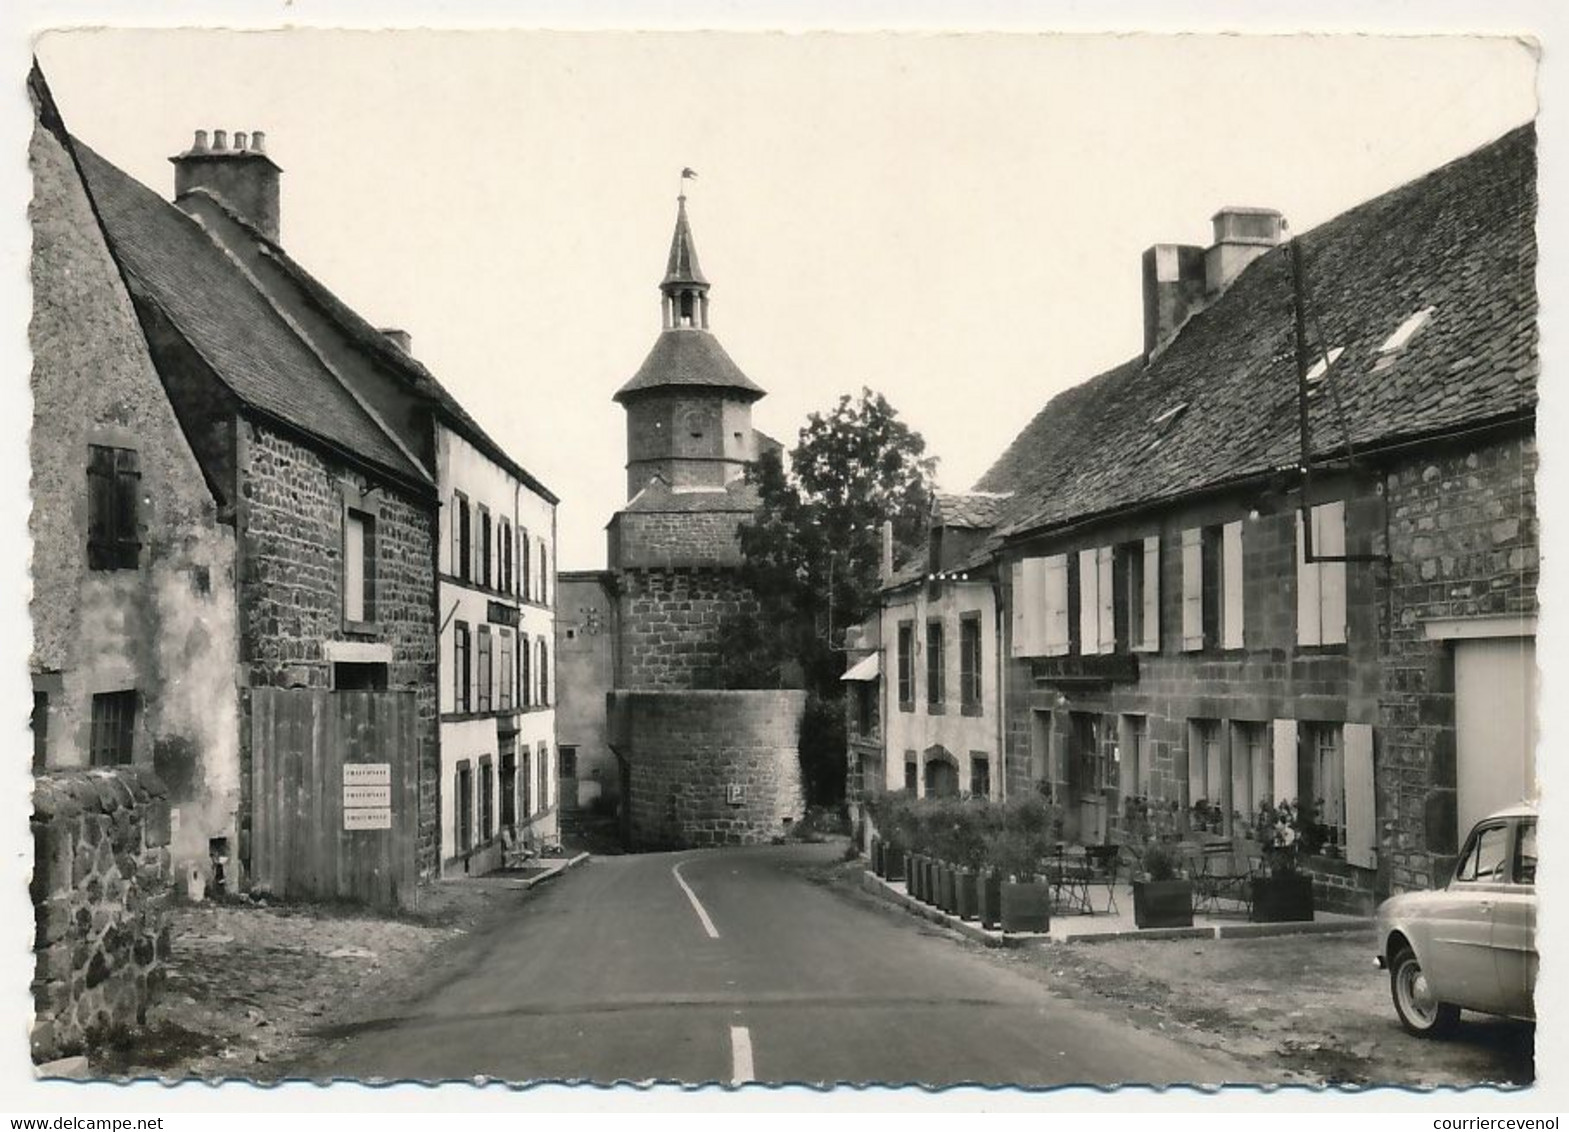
(1103, 863)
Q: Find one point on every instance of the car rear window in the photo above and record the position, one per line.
(1486, 858)
(1525, 854)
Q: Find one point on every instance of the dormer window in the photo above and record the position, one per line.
(1165, 421)
(1406, 331)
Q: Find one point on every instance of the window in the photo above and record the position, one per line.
(1207, 778)
(1137, 590)
(359, 676)
(462, 542)
(935, 684)
(525, 671)
(525, 575)
(906, 666)
(866, 708)
(113, 728)
(543, 764)
(568, 756)
(1201, 585)
(483, 572)
(482, 700)
(526, 778)
(1525, 853)
(487, 800)
(1097, 601)
(1084, 748)
(463, 795)
(40, 725)
(1485, 859)
(912, 775)
(1040, 606)
(1328, 793)
(1137, 771)
(113, 490)
(1252, 769)
(504, 553)
(1318, 369)
(544, 573)
(504, 683)
(980, 776)
(970, 686)
(509, 789)
(462, 679)
(359, 567)
(544, 673)
(1321, 586)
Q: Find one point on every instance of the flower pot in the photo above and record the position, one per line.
(967, 894)
(931, 881)
(1026, 906)
(945, 888)
(1282, 898)
(875, 857)
(1163, 903)
(917, 876)
(893, 863)
(991, 899)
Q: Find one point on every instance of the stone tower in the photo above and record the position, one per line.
(689, 407)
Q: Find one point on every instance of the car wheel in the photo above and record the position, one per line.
(1420, 1011)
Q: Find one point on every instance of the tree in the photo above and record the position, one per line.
(813, 552)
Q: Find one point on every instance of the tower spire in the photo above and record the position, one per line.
(684, 288)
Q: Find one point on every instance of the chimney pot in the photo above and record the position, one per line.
(239, 139)
(1241, 236)
(199, 145)
(399, 338)
(220, 139)
(258, 142)
(248, 187)
(1174, 288)
(887, 563)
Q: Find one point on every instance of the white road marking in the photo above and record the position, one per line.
(702, 914)
(741, 1056)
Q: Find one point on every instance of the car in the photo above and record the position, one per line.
(1470, 945)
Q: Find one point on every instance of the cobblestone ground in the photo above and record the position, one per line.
(1306, 1009)
(248, 982)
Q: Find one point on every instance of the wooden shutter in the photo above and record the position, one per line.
(127, 498)
(1308, 632)
(1231, 585)
(1198, 764)
(1329, 538)
(1128, 758)
(1055, 602)
(1151, 596)
(1019, 620)
(1089, 603)
(1361, 810)
(1285, 751)
(100, 507)
(1192, 589)
(1241, 775)
(1106, 591)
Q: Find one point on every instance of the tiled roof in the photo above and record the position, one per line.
(659, 496)
(1219, 404)
(972, 510)
(686, 356)
(228, 322)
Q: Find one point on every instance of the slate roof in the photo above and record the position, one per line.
(227, 321)
(686, 356)
(659, 496)
(683, 266)
(970, 510)
(1219, 404)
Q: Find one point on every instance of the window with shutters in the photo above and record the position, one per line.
(487, 800)
(1201, 588)
(1097, 601)
(112, 740)
(1326, 790)
(504, 677)
(544, 673)
(462, 540)
(906, 666)
(1136, 591)
(462, 679)
(525, 671)
(359, 568)
(970, 682)
(1041, 613)
(1321, 586)
(482, 572)
(936, 670)
(114, 480)
(483, 679)
(525, 559)
(980, 775)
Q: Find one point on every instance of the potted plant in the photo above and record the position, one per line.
(1028, 824)
(970, 829)
(1161, 897)
(1284, 893)
(1206, 817)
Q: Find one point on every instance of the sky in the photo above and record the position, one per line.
(953, 220)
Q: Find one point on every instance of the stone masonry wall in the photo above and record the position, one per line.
(658, 539)
(686, 750)
(671, 623)
(291, 593)
(1464, 539)
(100, 889)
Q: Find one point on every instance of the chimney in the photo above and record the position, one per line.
(1241, 236)
(399, 338)
(1173, 289)
(243, 177)
(887, 566)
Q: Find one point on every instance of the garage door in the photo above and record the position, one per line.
(1495, 716)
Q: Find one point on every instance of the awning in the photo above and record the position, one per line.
(867, 668)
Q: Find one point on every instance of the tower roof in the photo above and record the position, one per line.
(686, 356)
(683, 268)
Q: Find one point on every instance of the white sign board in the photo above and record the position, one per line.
(367, 774)
(379, 817)
(358, 796)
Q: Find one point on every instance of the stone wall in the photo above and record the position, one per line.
(1464, 539)
(685, 752)
(663, 539)
(671, 623)
(100, 889)
(291, 598)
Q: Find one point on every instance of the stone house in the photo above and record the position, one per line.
(697, 763)
(334, 513)
(133, 569)
(1227, 575)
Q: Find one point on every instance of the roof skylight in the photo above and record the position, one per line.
(1406, 331)
(1321, 367)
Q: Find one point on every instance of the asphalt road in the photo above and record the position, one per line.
(731, 966)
